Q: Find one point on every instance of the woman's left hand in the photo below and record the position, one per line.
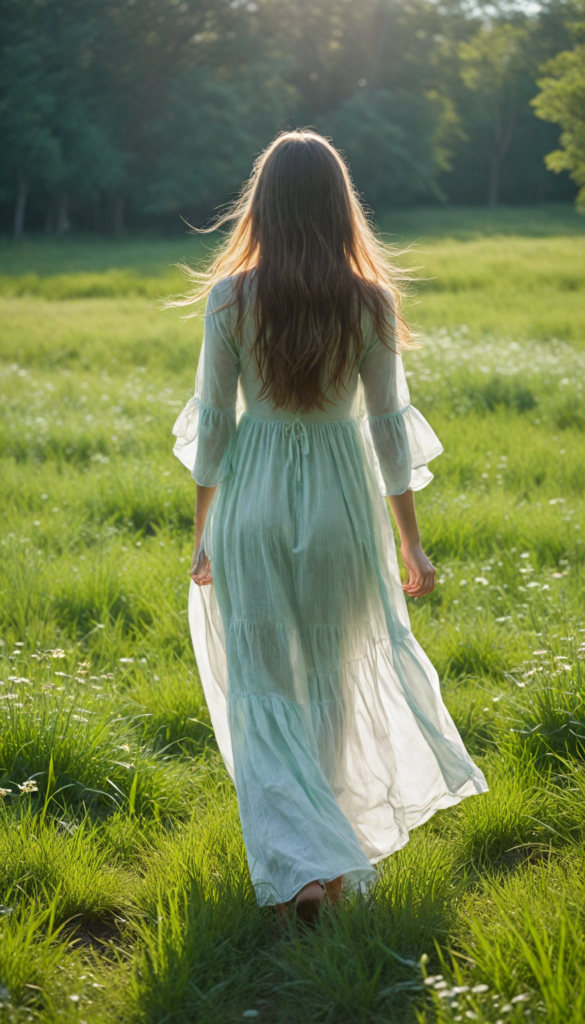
(200, 566)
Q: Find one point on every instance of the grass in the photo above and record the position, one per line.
(124, 890)
(512, 272)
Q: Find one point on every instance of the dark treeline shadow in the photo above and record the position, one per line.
(119, 116)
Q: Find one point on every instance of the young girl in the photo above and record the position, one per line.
(326, 710)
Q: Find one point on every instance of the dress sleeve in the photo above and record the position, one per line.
(206, 428)
(403, 441)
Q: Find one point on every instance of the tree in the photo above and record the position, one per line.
(389, 141)
(493, 67)
(30, 149)
(561, 100)
(201, 150)
(90, 162)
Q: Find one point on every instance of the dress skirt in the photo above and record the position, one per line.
(326, 710)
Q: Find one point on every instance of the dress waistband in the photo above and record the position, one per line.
(298, 432)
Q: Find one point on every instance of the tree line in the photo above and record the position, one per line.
(130, 113)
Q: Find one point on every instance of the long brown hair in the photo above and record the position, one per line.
(301, 230)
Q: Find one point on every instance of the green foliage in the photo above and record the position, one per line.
(400, 130)
(493, 66)
(142, 113)
(124, 888)
(562, 100)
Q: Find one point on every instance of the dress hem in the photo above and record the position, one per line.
(289, 899)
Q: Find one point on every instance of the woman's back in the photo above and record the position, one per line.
(337, 407)
(379, 366)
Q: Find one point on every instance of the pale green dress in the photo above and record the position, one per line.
(326, 710)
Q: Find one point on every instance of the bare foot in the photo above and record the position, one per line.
(308, 902)
(335, 889)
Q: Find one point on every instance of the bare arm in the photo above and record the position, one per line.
(201, 565)
(421, 572)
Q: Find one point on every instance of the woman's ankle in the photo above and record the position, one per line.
(309, 901)
(334, 889)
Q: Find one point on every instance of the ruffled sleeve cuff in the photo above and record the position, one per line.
(404, 444)
(204, 442)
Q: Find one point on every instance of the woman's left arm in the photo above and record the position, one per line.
(215, 396)
(200, 563)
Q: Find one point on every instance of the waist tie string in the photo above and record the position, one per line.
(298, 444)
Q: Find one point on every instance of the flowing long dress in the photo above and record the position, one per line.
(325, 708)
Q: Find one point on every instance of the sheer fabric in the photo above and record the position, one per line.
(326, 710)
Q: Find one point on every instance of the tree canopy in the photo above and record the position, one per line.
(562, 100)
(137, 112)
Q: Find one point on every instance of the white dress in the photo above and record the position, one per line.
(325, 708)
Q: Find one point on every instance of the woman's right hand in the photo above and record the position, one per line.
(421, 571)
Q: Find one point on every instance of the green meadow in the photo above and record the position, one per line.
(124, 890)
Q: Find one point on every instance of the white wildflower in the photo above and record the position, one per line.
(29, 786)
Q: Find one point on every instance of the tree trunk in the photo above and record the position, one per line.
(498, 151)
(63, 222)
(20, 206)
(494, 182)
(50, 218)
(118, 213)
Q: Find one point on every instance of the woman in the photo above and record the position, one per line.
(327, 712)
